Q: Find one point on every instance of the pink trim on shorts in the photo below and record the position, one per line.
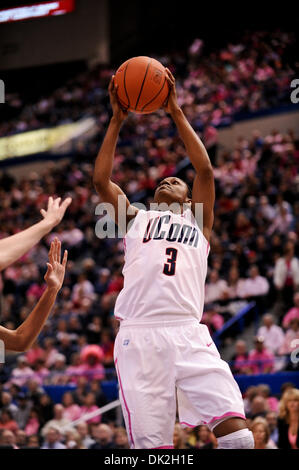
(190, 425)
(163, 447)
(231, 413)
(208, 247)
(124, 243)
(128, 411)
(238, 415)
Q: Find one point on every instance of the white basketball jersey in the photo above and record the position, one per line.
(165, 268)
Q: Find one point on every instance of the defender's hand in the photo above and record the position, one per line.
(55, 211)
(56, 270)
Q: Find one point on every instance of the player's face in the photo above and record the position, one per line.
(171, 190)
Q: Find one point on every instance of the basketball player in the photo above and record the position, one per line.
(161, 348)
(11, 249)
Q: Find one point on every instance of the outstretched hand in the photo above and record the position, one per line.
(171, 104)
(55, 211)
(56, 270)
(118, 112)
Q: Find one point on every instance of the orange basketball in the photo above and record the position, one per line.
(142, 84)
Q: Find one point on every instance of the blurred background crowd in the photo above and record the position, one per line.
(254, 244)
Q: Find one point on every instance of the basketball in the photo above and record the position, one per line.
(142, 84)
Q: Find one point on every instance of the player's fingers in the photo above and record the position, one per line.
(54, 251)
(50, 268)
(57, 202)
(58, 251)
(43, 212)
(51, 252)
(50, 202)
(64, 261)
(65, 204)
(169, 80)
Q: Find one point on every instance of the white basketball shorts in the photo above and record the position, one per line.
(156, 361)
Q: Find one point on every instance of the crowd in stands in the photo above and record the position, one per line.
(254, 249)
(213, 86)
(34, 421)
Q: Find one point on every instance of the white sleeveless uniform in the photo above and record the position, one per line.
(162, 354)
(165, 268)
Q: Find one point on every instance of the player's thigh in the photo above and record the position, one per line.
(207, 391)
(146, 388)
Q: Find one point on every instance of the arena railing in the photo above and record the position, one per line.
(236, 324)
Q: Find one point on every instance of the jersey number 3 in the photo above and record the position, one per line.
(169, 266)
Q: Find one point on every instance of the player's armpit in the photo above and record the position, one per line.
(11, 339)
(112, 194)
(203, 191)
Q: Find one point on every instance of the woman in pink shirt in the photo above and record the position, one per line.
(292, 313)
(71, 410)
(90, 406)
(33, 423)
(7, 421)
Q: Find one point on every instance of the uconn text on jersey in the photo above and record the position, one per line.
(159, 228)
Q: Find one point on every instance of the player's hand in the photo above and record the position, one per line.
(56, 270)
(119, 113)
(171, 104)
(55, 211)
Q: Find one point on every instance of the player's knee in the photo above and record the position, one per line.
(242, 439)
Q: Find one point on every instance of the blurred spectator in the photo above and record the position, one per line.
(7, 404)
(250, 393)
(91, 362)
(121, 439)
(261, 434)
(8, 439)
(103, 436)
(206, 438)
(59, 422)
(7, 421)
(33, 442)
(22, 373)
(292, 313)
(21, 439)
(255, 285)
(271, 418)
(179, 437)
(288, 421)
(73, 440)
(33, 423)
(239, 361)
(82, 429)
(258, 407)
(213, 320)
(71, 411)
(215, 287)
(53, 439)
(261, 360)
(265, 391)
(273, 335)
(23, 411)
(291, 334)
(89, 406)
(286, 274)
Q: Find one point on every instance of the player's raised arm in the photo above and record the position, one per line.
(12, 248)
(24, 336)
(109, 191)
(203, 185)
